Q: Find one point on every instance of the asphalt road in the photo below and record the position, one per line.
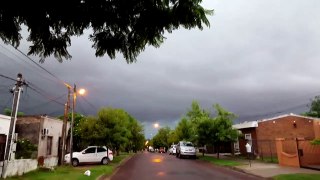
(153, 166)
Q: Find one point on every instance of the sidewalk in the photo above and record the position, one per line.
(268, 170)
(263, 169)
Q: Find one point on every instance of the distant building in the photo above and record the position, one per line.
(261, 134)
(45, 132)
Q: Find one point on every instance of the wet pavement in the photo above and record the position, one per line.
(153, 166)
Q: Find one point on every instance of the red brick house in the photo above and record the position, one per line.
(264, 132)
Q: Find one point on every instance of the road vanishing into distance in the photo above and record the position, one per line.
(154, 166)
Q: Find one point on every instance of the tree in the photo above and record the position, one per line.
(117, 25)
(184, 130)
(109, 128)
(223, 131)
(8, 112)
(195, 116)
(206, 132)
(161, 138)
(314, 110)
(136, 138)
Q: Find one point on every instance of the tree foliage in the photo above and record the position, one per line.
(184, 130)
(161, 139)
(8, 112)
(223, 131)
(314, 110)
(114, 128)
(202, 129)
(117, 25)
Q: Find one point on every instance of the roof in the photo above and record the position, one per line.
(250, 124)
(291, 114)
(5, 117)
(253, 124)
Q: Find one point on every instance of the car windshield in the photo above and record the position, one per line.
(187, 144)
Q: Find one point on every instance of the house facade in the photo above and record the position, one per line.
(45, 132)
(262, 133)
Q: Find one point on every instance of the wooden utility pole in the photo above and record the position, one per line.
(64, 128)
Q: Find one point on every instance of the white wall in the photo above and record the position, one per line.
(20, 166)
(4, 124)
(55, 130)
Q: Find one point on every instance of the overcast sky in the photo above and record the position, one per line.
(258, 59)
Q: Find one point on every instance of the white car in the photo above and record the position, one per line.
(92, 154)
(185, 148)
(172, 149)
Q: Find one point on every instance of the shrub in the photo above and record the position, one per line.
(25, 149)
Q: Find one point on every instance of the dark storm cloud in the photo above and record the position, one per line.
(259, 58)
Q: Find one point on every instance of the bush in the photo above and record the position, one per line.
(315, 142)
(25, 149)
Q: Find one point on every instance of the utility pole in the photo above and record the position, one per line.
(16, 96)
(64, 127)
(72, 119)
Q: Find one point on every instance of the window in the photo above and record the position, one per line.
(247, 136)
(100, 149)
(49, 145)
(90, 150)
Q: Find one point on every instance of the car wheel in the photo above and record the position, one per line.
(75, 162)
(104, 161)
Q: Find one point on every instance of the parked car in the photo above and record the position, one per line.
(162, 150)
(172, 149)
(92, 154)
(185, 148)
(151, 149)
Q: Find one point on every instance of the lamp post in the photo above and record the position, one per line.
(81, 92)
(74, 97)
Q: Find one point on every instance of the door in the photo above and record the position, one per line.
(101, 153)
(3, 139)
(89, 155)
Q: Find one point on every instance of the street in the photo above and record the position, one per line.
(152, 166)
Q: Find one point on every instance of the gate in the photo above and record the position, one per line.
(308, 154)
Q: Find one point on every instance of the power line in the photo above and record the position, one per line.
(45, 103)
(7, 77)
(35, 90)
(93, 106)
(59, 80)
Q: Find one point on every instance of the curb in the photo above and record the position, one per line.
(239, 170)
(243, 171)
(116, 168)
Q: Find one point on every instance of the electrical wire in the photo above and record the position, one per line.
(1, 75)
(35, 90)
(45, 103)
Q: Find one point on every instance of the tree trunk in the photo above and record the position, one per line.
(203, 151)
(218, 150)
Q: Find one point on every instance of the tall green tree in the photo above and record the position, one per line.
(223, 131)
(109, 128)
(314, 110)
(184, 130)
(136, 137)
(117, 26)
(161, 138)
(206, 133)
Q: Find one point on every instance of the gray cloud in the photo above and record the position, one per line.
(258, 58)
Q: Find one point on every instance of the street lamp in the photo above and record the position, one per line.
(74, 95)
(81, 92)
(156, 125)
